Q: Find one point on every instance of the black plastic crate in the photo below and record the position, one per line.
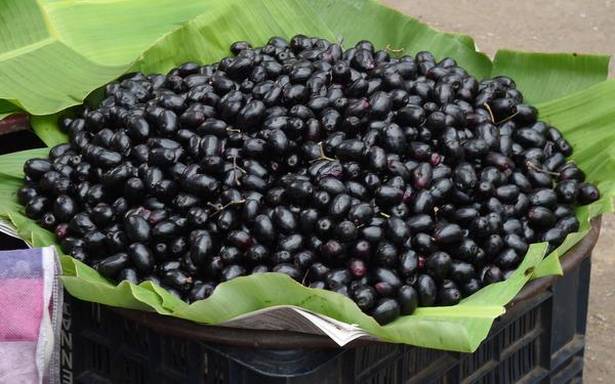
(540, 340)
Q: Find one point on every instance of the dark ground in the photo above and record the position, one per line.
(553, 26)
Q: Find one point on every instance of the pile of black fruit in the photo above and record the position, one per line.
(396, 181)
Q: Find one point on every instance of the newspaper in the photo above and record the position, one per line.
(289, 318)
(283, 318)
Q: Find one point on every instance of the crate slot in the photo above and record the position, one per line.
(388, 374)
(575, 346)
(132, 371)
(174, 354)
(366, 358)
(134, 335)
(572, 371)
(97, 356)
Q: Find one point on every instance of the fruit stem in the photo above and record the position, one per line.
(508, 118)
(490, 112)
(235, 167)
(340, 41)
(322, 154)
(220, 208)
(393, 50)
(217, 206)
(539, 169)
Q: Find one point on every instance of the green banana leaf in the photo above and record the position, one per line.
(7, 109)
(65, 54)
(53, 53)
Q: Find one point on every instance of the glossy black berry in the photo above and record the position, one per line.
(395, 181)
